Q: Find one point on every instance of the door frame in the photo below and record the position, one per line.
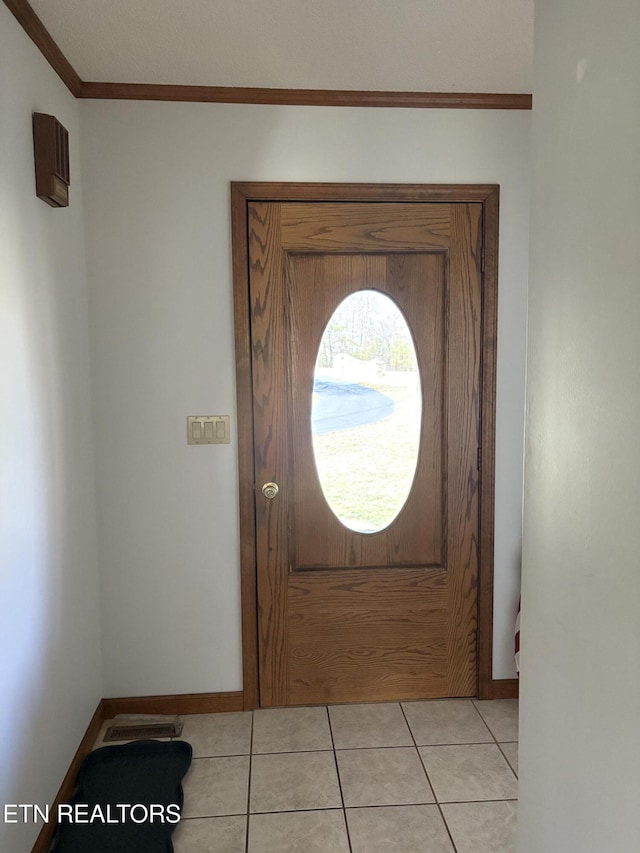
(242, 193)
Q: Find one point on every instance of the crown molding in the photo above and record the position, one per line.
(38, 33)
(306, 97)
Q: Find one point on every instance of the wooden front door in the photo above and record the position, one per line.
(345, 615)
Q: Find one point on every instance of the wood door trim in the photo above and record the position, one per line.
(488, 442)
(242, 193)
(244, 396)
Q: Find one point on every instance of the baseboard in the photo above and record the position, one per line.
(185, 703)
(44, 839)
(179, 703)
(505, 688)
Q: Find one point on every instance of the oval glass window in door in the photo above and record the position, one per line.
(366, 412)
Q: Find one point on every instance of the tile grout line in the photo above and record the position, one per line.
(433, 790)
(335, 759)
(352, 808)
(477, 802)
(352, 748)
(505, 757)
(484, 722)
(496, 741)
(298, 811)
(356, 808)
(355, 749)
(247, 813)
(479, 712)
(224, 755)
(246, 837)
(401, 746)
(212, 816)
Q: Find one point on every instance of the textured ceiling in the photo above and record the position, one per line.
(413, 45)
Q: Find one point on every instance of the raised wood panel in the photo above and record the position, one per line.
(368, 590)
(353, 226)
(313, 639)
(317, 284)
(346, 664)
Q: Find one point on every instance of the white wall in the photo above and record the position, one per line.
(580, 706)
(50, 672)
(159, 254)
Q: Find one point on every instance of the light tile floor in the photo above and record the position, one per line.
(411, 777)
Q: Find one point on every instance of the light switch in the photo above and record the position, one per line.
(208, 429)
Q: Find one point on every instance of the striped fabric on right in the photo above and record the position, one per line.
(517, 641)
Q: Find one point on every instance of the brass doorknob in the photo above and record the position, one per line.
(270, 490)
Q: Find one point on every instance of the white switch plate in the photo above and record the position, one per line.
(208, 429)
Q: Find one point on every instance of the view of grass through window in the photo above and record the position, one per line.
(366, 411)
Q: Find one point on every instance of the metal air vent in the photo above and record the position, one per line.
(143, 731)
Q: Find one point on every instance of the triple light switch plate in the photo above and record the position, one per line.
(208, 429)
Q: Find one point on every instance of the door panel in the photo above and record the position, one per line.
(318, 539)
(366, 635)
(343, 615)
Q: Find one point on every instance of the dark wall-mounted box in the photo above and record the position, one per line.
(51, 151)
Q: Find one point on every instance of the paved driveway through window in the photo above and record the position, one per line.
(342, 405)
